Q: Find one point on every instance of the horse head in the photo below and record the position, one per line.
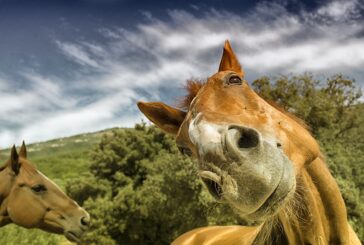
(249, 151)
(31, 200)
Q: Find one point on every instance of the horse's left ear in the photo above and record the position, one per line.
(169, 119)
(229, 62)
(14, 160)
(23, 151)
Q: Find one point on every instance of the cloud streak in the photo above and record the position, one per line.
(142, 62)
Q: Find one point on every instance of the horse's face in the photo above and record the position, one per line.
(35, 201)
(249, 152)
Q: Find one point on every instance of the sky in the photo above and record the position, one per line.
(76, 66)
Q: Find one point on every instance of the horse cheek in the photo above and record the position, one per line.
(23, 211)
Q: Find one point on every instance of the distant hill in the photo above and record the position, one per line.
(64, 158)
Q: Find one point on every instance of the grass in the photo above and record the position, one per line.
(62, 160)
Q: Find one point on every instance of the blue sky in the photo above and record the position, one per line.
(69, 67)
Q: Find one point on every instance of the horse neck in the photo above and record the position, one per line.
(5, 187)
(317, 214)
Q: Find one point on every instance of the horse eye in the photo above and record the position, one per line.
(185, 151)
(235, 80)
(39, 188)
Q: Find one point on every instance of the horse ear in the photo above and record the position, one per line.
(14, 160)
(169, 119)
(23, 151)
(229, 62)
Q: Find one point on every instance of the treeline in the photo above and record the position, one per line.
(140, 190)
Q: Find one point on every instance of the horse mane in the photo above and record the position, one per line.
(27, 166)
(295, 118)
(193, 86)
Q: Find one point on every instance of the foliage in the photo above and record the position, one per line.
(13, 235)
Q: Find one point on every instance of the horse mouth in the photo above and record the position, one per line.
(72, 236)
(213, 184)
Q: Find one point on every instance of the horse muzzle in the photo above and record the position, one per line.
(77, 225)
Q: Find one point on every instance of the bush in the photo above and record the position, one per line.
(143, 191)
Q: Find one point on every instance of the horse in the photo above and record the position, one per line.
(31, 200)
(259, 159)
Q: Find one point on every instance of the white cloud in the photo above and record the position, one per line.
(78, 54)
(340, 10)
(41, 95)
(96, 116)
(137, 63)
(47, 89)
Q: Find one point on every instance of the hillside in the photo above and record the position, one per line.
(61, 159)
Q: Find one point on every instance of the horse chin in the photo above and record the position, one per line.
(73, 235)
(275, 203)
(278, 198)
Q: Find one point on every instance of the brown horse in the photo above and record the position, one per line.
(259, 159)
(31, 200)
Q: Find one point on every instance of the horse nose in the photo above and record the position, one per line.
(85, 221)
(239, 138)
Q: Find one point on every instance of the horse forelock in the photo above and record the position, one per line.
(192, 87)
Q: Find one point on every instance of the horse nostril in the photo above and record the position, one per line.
(246, 137)
(85, 221)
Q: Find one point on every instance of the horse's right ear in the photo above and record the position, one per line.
(229, 62)
(14, 160)
(169, 119)
(23, 151)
